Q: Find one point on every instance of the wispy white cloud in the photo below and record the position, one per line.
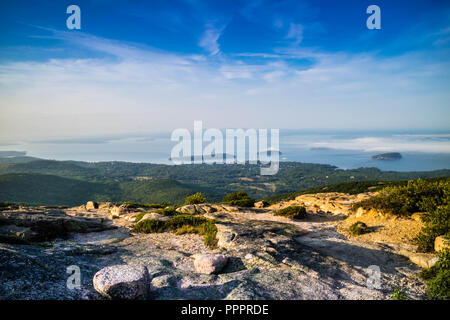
(295, 32)
(273, 75)
(210, 38)
(442, 37)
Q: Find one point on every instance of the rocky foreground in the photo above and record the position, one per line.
(258, 255)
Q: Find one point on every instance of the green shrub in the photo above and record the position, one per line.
(196, 198)
(245, 203)
(432, 197)
(140, 215)
(187, 229)
(150, 226)
(235, 196)
(168, 211)
(417, 196)
(358, 228)
(145, 205)
(183, 219)
(438, 288)
(207, 229)
(210, 232)
(399, 295)
(293, 212)
(438, 278)
(240, 199)
(436, 219)
(181, 224)
(436, 223)
(442, 264)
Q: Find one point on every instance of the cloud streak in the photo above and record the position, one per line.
(296, 33)
(399, 143)
(210, 38)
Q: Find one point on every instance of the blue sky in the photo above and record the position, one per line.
(146, 66)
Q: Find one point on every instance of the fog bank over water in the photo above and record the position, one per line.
(420, 150)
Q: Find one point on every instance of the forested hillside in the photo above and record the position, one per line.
(38, 181)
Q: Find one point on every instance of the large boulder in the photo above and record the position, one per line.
(155, 216)
(417, 216)
(210, 263)
(91, 205)
(197, 209)
(105, 205)
(117, 211)
(49, 224)
(441, 243)
(261, 204)
(123, 282)
(424, 260)
(368, 212)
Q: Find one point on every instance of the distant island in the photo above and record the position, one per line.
(388, 156)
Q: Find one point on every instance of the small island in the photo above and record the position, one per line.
(388, 156)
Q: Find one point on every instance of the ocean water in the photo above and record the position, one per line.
(348, 150)
(421, 151)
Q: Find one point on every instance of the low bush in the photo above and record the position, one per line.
(240, 199)
(168, 211)
(417, 196)
(436, 223)
(187, 229)
(293, 212)
(431, 197)
(196, 198)
(358, 228)
(207, 229)
(145, 205)
(438, 278)
(398, 295)
(140, 215)
(438, 288)
(184, 219)
(150, 226)
(181, 224)
(210, 232)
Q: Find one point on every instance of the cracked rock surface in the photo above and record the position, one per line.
(268, 257)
